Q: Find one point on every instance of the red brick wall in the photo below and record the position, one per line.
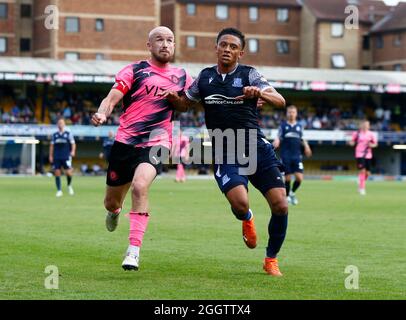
(7, 26)
(267, 25)
(389, 52)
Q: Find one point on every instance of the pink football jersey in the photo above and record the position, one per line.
(146, 118)
(362, 140)
(180, 145)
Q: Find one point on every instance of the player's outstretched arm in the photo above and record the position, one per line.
(106, 107)
(273, 97)
(353, 140)
(276, 143)
(307, 150)
(73, 152)
(51, 153)
(269, 95)
(180, 103)
(373, 143)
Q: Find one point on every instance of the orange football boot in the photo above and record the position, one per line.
(249, 234)
(271, 267)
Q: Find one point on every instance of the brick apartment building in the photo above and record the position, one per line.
(388, 41)
(16, 27)
(326, 42)
(272, 29)
(291, 33)
(90, 29)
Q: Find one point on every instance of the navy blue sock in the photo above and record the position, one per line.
(277, 232)
(242, 217)
(296, 185)
(69, 178)
(58, 183)
(287, 187)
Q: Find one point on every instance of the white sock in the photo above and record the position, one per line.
(134, 249)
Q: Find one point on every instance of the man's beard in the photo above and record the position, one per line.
(162, 59)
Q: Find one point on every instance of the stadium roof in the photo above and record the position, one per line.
(92, 71)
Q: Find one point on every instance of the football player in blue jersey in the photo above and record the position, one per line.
(107, 145)
(61, 151)
(229, 93)
(290, 141)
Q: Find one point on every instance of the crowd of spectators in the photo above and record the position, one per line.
(77, 109)
(324, 116)
(21, 112)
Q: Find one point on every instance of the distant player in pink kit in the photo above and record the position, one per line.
(180, 151)
(363, 140)
(144, 124)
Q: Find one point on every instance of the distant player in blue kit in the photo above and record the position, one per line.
(61, 151)
(290, 140)
(229, 92)
(107, 145)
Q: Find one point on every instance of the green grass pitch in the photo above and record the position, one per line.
(193, 247)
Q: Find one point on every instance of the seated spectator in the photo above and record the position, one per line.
(15, 111)
(6, 117)
(67, 112)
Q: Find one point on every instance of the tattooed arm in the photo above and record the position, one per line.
(106, 107)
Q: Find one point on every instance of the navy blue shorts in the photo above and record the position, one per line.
(267, 175)
(292, 165)
(62, 163)
(363, 163)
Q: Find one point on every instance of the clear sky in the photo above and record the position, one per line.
(393, 2)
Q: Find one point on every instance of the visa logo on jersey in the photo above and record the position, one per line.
(154, 90)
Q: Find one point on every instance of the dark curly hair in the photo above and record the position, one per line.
(234, 32)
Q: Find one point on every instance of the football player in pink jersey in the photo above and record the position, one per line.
(145, 126)
(180, 150)
(363, 140)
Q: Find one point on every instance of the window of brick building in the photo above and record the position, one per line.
(253, 13)
(337, 30)
(365, 42)
(191, 9)
(253, 45)
(282, 14)
(397, 40)
(379, 42)
(25, 44)
(72, 56)
(338, 61)
(3, 10)
(222, 12)
(191, 41)
(99, 24)
(72, 24)
(3, 45)
(397, 67)
(282, 46)
(99, 56)
(25, 11)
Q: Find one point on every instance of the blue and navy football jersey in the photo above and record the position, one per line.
(107, 145)
(62, 142)
(217, 93)
(291, 140)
